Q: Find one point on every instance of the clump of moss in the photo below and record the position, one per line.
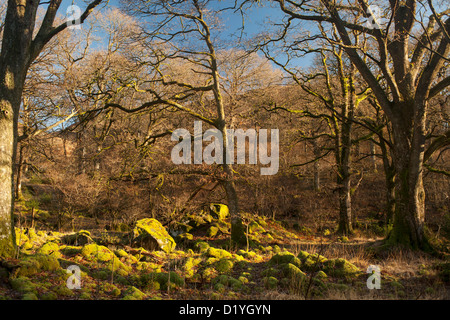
(218, 253)
(289, 270)
(133, 293)
(71, 250)
(270, 282)
(189, 266)
(228, 281)
(33, 264)
(50, 248)
(95, 252)
(201, 246)
(285, 257)
(165, 279)
(340, 268)
(224, 265)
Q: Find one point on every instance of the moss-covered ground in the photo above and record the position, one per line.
(278, 262)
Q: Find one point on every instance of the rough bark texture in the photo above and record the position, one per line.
(409, 217)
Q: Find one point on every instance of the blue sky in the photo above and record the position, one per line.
(256, 21)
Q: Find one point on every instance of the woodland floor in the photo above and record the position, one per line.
(282, 261)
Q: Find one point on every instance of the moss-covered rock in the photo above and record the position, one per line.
(218, 253)
(291, 271)
(33, 264)
(133, 293)
(212, 231)
(190, 266)
(165, 279)
(228, 281)
(95, 252)
(23, 285)
(150, 234)
(285, 257)
(71, 250)
(50, 248)
(79, 238)
(201, 246)
(30, 296)
(219, 211)
(270, 282)
(340, 268)
(224, 265)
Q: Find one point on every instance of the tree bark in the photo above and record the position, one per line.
(409, 217)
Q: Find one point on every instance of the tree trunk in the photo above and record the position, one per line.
(343, 179)
(409, 217)
(7, 158)
(316, 178)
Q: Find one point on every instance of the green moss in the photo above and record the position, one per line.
(33, 264)
(189, 266)
(218, 253)
(62, 290)
(48, 296)
(269, 272)
(95, 252)
(228, 281)
(134, 293)
(70, 250)
(321, 275)
(152, 228)
(340, 268)
(285, 257)
(212, 231)
(291, 271)
(201, 246)
(165, 279)
(224, 265)
(30, 296)
(50, 248)
(219, 211)
(270, 282)
(22, 285)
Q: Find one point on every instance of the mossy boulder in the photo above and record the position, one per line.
(190, 265)
(79, 238)
(201, 246)
(167, 279)
(228, 281)
(71, 250)
(30, 296)
(37, 263)
(95, 252)
(212, 231)
(219, 211)
(340, 268)
(150, 234)
(23, 285)
(50, 248)
(133, 293)
(293, 272)
(224, 265)
(270, 282)
(285, 257)
(218, 253)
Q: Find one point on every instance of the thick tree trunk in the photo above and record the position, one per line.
(409, 217)
(238, 235)
(7, 156)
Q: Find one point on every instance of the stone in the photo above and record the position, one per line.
(219, 211)
(150, 234)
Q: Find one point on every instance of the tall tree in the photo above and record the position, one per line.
(410, 49)
(21, 45)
